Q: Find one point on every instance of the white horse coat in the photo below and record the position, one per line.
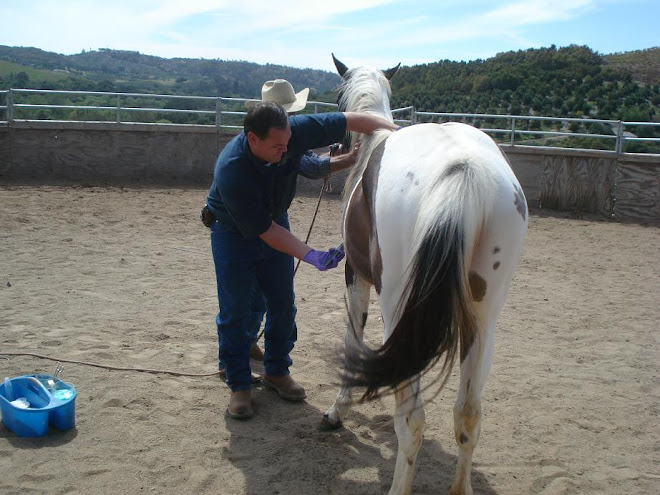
(434, 219)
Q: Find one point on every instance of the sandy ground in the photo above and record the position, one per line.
(124, 277)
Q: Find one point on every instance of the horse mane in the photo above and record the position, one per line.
(367, 145)
(364, 90)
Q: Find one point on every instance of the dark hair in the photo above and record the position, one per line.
(263, 116)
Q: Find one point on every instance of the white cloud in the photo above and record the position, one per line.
(300, 32)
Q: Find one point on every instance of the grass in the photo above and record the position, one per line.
(7, 68)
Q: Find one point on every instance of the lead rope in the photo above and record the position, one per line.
(318, 203)
(326, 187)
(334, 149)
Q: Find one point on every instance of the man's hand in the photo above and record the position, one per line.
(346, 160)
(324, 260)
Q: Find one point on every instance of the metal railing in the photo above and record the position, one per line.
(228, 113)
(121, 108)
(515, 133)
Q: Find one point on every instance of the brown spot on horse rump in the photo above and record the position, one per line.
(477, 286)
(519, 197)
(496, 265)
(520, 202)
(496, 250)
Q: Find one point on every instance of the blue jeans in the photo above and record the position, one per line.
(242, 268)
(257, 312)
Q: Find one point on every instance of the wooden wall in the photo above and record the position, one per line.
(626, 185)
(104, 152)
(5, 151)
(638, 187)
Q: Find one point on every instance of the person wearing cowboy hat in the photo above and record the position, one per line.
(253, 186)
(311, 166)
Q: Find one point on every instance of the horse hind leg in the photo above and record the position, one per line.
(467, 409)
(474, 374)
(409, 426)
(357, 290)
(491, 271)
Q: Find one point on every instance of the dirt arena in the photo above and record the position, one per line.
(124, 277)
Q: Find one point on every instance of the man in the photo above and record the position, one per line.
(310, 165)
(253, 186)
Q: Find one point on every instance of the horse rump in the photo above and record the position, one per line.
(434, 313)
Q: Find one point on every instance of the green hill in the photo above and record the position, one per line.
(126, 71)
(644, 65)
(9, 69)
(571, 81)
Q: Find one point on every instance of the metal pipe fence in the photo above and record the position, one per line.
(32, 105)
(526, 130)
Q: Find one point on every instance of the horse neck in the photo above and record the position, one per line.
(366, 90)
(368, 142)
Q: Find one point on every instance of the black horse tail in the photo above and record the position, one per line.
(435, 316)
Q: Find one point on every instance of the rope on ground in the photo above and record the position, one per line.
(105, 366)
(175, 373)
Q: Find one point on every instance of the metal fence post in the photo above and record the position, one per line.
(413, 116)
(218, 112)
(10, 106)
(118, 118)
(619, 138)
(513, 130)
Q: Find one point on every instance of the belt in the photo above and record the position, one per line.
(206, 216)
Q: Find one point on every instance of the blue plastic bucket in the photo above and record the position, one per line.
(54, 405)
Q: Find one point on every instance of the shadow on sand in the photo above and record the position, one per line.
(297, 457)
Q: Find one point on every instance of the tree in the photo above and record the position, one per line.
(21, 80)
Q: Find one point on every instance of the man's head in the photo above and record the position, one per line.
(267, 129)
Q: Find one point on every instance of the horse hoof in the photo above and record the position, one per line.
(327, 425)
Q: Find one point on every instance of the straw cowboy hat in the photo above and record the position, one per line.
(281, 92)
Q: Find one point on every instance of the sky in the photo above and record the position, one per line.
(303, 33)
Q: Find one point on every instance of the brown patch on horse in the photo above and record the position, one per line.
(362, 247)
(477, 286)
(358, 232)
(519, 197)
(519, 201)
(369, 186)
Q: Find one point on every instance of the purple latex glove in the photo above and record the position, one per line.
(324, 260)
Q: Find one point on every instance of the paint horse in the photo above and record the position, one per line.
(434, 219)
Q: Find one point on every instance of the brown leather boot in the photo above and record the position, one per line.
(285, 387)
(240, 405)
(256, 353)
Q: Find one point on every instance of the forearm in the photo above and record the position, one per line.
(367, 123)
(282, 240)
(342, 162)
